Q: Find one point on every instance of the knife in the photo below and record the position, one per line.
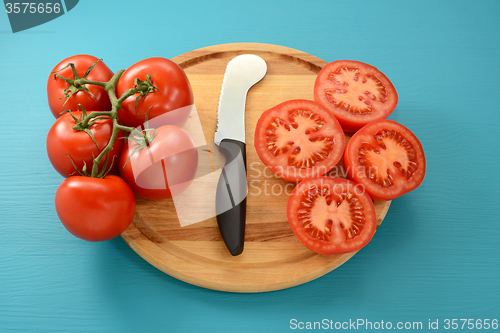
(242, 72)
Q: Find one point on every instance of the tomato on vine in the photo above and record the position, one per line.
(95, 209)
(64, 94)
(157, 163)
(70, 148)
(162, 167)
(170, 96)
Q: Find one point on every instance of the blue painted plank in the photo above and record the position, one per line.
(434, 257)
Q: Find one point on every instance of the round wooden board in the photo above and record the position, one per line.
(273, 258)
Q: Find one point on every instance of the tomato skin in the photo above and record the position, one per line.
(280, 163)
(95, 209)
(356, 93)
(63, 140)
(173, 99)
(55, 87)
(163, 169)
(333, 215)
(365, 137)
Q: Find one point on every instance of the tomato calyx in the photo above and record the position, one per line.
(77, 83)
(104, 170)
(142, 139)
(144, 88)
(84, 122)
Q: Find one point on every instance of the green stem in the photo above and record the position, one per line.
(106, 149)
(116, 104)
(125, 128)
(142, 87)
(90, 116)
(80, 82)
(131, 92)
(110, 88)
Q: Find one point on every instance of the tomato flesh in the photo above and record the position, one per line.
(331, 215)
(355, 92)
(387, 158)
(298, 139)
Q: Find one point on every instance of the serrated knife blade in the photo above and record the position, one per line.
(242, 72)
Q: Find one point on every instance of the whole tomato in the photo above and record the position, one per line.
(95, 209)
(64, 141)
(56, 86)
(163, 169)
(172, 100)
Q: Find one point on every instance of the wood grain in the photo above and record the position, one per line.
(273, 258)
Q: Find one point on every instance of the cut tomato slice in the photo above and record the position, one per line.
(299, 139)
(355, 92)
(331, 215)
(387, 158)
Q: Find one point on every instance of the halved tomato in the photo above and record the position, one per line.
(355, 92)
(331, 215)
(387, 158)
(299, 139)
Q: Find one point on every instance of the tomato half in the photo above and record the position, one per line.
(355, 92)
(173, 100)
(63, 140)
(298, 139)
(331, 215)
(163, 169)
(95, 209)
(55, 86)
(387, 158)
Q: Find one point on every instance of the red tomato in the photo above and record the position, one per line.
(355, 92)
(95, 209)
(55, 87)
(299, 139)
(386, 158)
(63, 140)
(331, 215)
(173, 100)
(163, 169)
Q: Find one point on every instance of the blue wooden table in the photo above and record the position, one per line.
(435, 257)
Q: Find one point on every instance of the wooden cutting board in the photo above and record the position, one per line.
(273, 258)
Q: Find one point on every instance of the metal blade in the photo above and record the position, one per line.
(242, 72)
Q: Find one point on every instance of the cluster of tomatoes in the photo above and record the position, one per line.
(304, 141)
(102, 125)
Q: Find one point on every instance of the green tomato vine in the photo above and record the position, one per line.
(76, 84)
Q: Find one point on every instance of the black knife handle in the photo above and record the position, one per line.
(231, 196)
